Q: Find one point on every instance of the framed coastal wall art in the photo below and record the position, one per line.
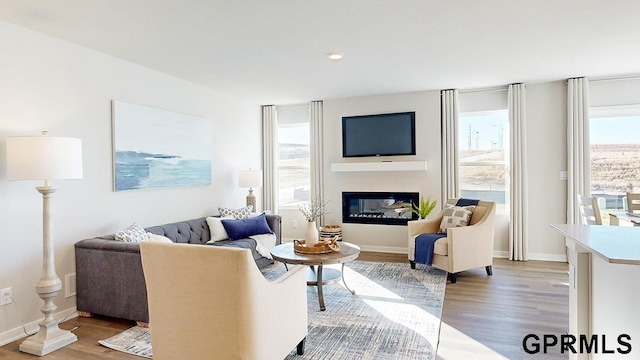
(155, 148)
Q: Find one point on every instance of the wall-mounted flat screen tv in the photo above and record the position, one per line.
(379, 135)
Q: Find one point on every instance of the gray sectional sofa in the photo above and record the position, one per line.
(109, 277)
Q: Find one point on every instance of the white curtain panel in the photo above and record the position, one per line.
(518, 227)
(317, 152)
(449, 115)
(270, 158)
(578, 157)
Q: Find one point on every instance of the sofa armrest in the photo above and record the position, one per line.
(417, 227)
(275, 223)
(109, 279)
(289, 294)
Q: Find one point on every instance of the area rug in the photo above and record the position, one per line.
(135, 341)
(395, 314)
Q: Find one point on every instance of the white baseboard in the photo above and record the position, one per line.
(548, 257)
(384, 249)
(534, 256)
(496, 254)
(32, 327)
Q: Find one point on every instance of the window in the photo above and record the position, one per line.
(483, 154)
(294, 165)
(614, 137)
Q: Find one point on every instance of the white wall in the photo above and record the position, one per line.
(546, 136)
(389, 238)
(614, 92)
(547, 156)
(50, 84)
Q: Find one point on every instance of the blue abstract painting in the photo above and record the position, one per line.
(156, 148)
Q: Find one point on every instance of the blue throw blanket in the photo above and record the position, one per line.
(467, 202)
(424, 247)
(425, 243)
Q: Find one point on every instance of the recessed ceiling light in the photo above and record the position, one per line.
(335, 55)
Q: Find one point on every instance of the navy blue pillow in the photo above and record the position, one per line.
(243, 228)
(467, 202)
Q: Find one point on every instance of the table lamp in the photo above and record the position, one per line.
(45, 158)
(250, 179)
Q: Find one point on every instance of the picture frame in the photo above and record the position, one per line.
(155, 148)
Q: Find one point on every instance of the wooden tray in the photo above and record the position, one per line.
(300, 247)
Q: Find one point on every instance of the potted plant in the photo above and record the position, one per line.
(424, 208)
(312, 210)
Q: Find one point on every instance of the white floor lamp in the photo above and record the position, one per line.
(45, 158)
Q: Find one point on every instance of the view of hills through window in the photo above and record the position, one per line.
(294, 174)
(615, 158)
(483, 150)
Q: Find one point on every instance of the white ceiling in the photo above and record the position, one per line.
(274, 50)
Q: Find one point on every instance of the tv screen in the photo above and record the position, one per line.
(379, 135)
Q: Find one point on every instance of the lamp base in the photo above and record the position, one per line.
(49, 338)
(251, 200)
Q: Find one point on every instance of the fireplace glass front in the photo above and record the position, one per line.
(387, 208)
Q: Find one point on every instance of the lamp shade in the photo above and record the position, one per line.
(250, 178)
(44, 158)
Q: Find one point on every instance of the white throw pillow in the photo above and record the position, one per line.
(455, 216)
(216, 229)
(134, 233)
(158, 238)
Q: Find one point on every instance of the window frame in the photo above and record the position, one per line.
(503, 209)
(288, 122)
(607, 112)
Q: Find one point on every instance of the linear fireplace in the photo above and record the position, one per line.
(387, 208)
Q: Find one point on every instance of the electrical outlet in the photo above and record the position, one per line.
(6, 297)
(294, 224)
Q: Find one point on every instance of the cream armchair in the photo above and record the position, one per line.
(464, 247)
(209, 302)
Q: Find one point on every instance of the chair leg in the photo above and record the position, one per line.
(413, 264)
(489, 270)
(300, 347)
(453, 277)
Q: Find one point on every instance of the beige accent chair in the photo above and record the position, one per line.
(589, 210)
(210, 302)
(463, 248)
(633, 202)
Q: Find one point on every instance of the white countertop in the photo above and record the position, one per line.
(615, 244)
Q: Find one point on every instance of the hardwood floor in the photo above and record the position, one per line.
(483, 317)
(487, 317)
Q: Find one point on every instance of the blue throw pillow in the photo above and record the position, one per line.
(243, 228)
(467, 202)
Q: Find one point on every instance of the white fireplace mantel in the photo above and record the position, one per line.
(379, 166)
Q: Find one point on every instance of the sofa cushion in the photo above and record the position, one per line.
(217, 229)
(134, 233)
(241, 213)
(158, 238)
(455, 216)
(441, 247)
(243, 228)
